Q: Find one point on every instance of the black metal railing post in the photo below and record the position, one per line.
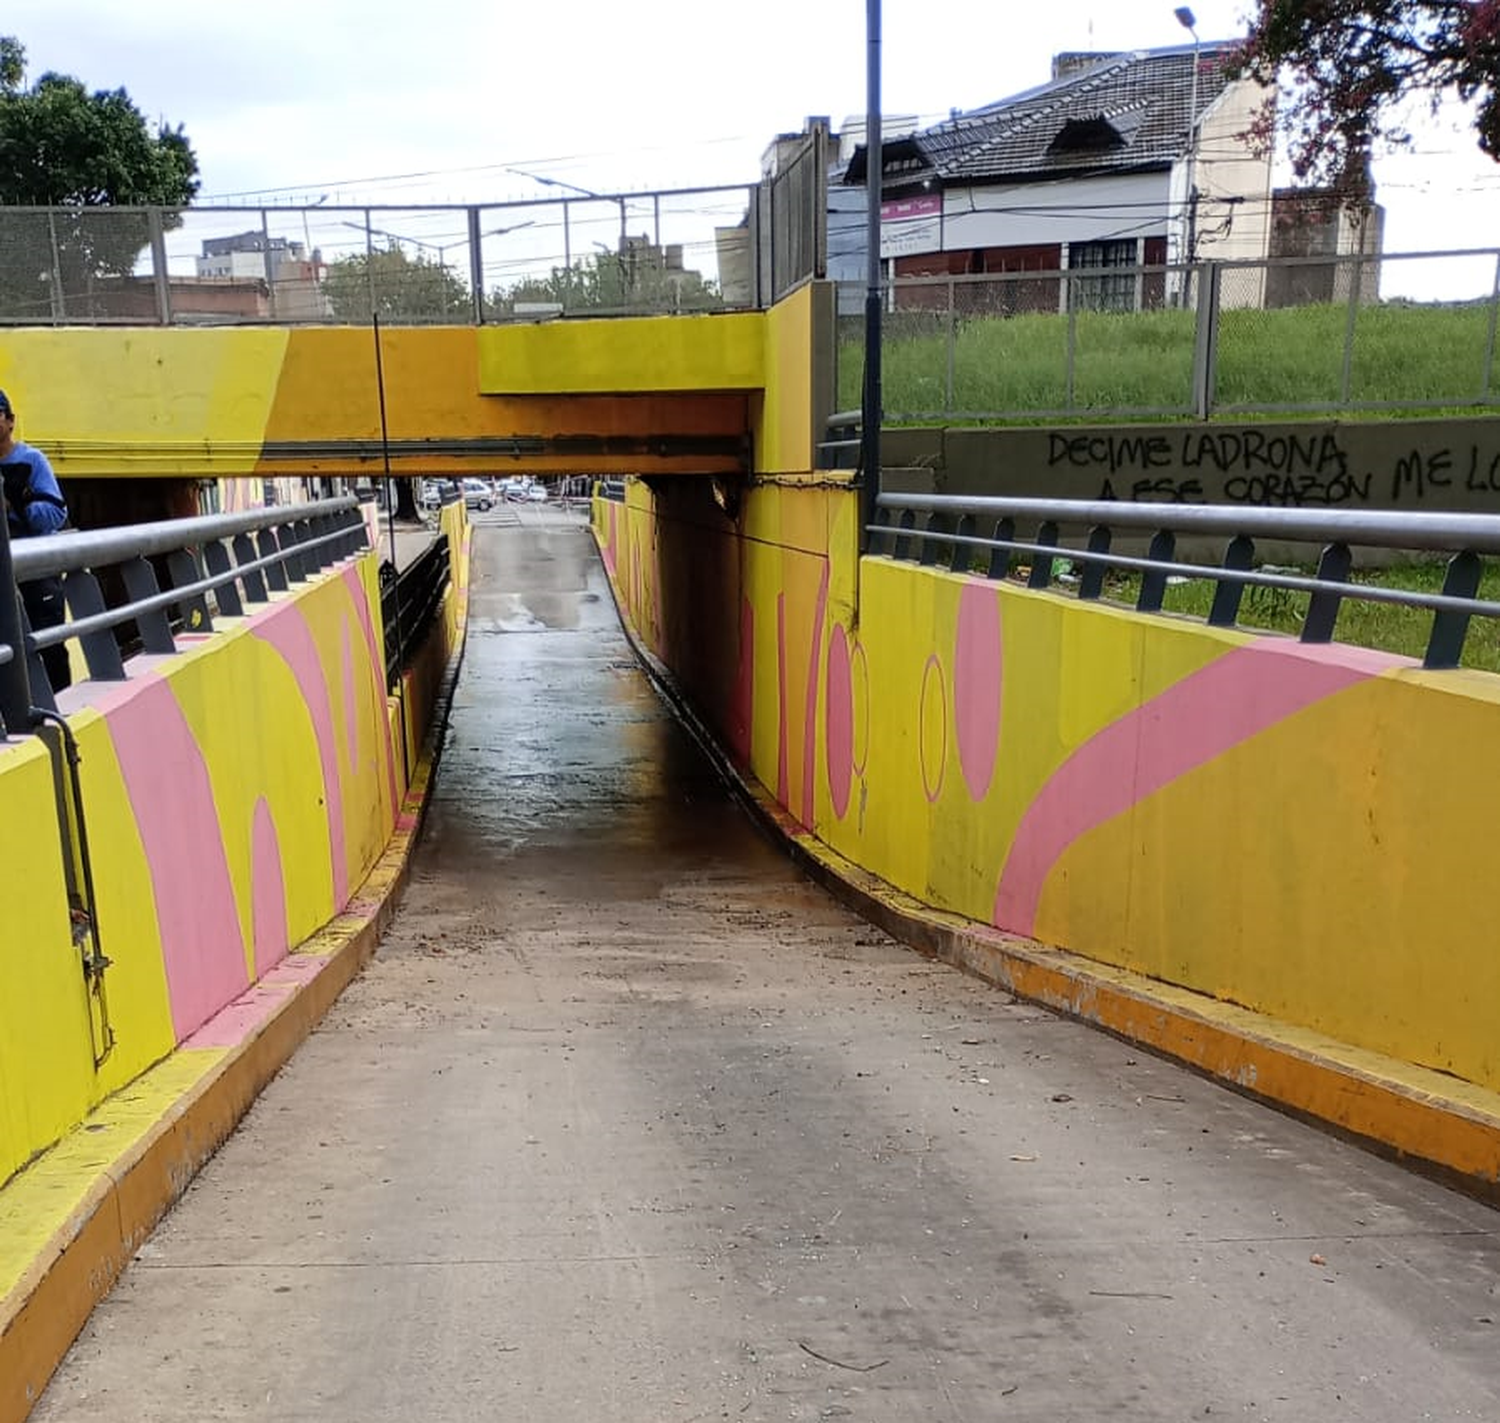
(15, 683)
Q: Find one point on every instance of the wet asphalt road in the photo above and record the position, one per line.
(626, 1121)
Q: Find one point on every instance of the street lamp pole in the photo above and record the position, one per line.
(1188, 21)
(870, 406)
(441, 248)
(583, 192)
(472, 240)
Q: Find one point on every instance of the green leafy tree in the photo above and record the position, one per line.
(400, 289)
(63, 148)
(1348, 64)
(636, 280)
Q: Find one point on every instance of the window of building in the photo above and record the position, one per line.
(1103, 293)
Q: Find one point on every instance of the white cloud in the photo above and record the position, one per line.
(654, 94)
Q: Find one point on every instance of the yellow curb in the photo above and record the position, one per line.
(1426, 1119)
(43, 1312)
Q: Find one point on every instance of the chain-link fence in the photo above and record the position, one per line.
(1293, 334)
(793, 216)
(686, 250)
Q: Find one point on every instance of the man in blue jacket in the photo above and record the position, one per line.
(34, 505)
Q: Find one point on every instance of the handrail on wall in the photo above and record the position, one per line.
(237, 558)
(951, 523)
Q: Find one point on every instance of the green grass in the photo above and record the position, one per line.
(1376, 625)
(1406, 354)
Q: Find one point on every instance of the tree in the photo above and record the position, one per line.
(64, 148)
(400, 288)
(1350, 62)
(637, 280)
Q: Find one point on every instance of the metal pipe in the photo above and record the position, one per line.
(869, 459)
(1375, 528)
(92, 548)
(1216, 572)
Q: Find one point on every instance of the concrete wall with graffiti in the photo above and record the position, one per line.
(1434, 464)
(235, 797)
(1298, 830)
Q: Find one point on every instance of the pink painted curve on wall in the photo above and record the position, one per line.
(810, 709)
(1246, 691)
(783, 773)
(287, 634)
(838, 721)
(172, 800)
(268, 921)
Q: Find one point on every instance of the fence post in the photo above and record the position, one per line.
(1206, 339)
(268, 263)
(1489, 340)
(476, 269)
(159, 274)
(952, 347)
(1350, 318)
(57, 293)
(15, 683)
(1070, 362)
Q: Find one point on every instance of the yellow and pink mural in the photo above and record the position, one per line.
(1238, 815)
(237, 794)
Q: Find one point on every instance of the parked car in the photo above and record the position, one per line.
(477, 495)
(437, 492)
(516, 488)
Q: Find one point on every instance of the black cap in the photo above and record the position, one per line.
(5, 408)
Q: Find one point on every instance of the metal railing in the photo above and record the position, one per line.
(410, 602)
(946, 530)
(579, 253)
(140, 587)
(1212, 338)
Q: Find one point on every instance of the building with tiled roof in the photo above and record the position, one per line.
(1118, 161)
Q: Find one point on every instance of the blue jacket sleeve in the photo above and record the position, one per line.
(47, 514)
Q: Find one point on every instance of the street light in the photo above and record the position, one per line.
(584, 192)
(441, 248)
(1189, 22)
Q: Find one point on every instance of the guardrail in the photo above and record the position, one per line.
(162, 580)
(938, 529)
(409, 602)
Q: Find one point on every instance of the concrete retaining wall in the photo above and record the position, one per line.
(236, 795)
(1299, 831)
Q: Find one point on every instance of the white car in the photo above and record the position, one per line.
(537, 494)
(477, 494)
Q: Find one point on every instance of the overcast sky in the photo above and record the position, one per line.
(433, 102)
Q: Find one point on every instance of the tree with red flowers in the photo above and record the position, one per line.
(1345, 65)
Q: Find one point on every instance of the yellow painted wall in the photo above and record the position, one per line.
(722, 351)
(1301, 831)
(236, 795)
(43, 1013)
(232, 402)
(784, 436)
